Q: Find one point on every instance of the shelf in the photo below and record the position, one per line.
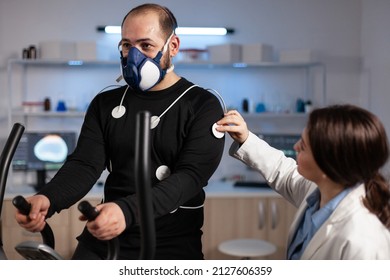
(206, 64)
(71, 114)
(274, 115)
(195, 65)
(68, 114)
(181, 64)
(57, 62)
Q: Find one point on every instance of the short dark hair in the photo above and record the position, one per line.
(168, 22)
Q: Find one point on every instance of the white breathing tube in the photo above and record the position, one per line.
(156, 119)
(188, 207)
(214, 130)
(216, 93)
(120, 110)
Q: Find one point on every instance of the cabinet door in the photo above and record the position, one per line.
(279, 218)
(232, 218)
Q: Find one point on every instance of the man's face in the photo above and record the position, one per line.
(143, 32)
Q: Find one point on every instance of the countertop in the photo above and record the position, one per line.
(213, 189)
(228, 189)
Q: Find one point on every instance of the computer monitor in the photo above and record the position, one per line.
(283, 142)
(43, 151)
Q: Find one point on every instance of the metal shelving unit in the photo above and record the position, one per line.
(69, 65)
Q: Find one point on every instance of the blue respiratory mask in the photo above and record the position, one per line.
(141, 72)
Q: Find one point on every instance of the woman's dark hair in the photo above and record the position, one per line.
(350, 146)
(168, 21)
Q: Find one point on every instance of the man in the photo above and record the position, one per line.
(184, 154)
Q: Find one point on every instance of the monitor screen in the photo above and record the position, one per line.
(43, 150)
(283, 142)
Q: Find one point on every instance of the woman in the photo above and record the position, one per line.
(342, 199)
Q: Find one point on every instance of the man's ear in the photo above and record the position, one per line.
(174, 45)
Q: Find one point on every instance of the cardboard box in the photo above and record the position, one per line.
(86, 50)
(225, 53)
(257, 53)
(296, 56)
(192, 55)
(57, 50)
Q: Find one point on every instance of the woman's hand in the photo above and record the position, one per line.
(109, 223)
(35, 221)
(235, 125)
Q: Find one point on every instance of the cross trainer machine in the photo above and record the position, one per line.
(45, 251)
(5, 162)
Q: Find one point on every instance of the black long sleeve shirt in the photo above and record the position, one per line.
(183, 141)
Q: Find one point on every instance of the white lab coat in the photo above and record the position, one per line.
(351, 232)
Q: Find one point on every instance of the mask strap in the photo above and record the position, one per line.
(167, 42)
(170, 68)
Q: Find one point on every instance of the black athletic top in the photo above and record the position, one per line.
(182, 141)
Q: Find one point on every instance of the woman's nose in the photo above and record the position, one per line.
(296, 146)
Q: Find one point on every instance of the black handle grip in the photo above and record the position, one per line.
(24, 207)
(88, 210)
(21, 203)
(91, 213)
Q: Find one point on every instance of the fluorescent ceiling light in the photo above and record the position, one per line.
(203, 31)
(112, 29)
(219, 31)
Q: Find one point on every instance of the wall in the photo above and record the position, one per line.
(332, 28)
(375, 81)
(375, 51)
(340, 31)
